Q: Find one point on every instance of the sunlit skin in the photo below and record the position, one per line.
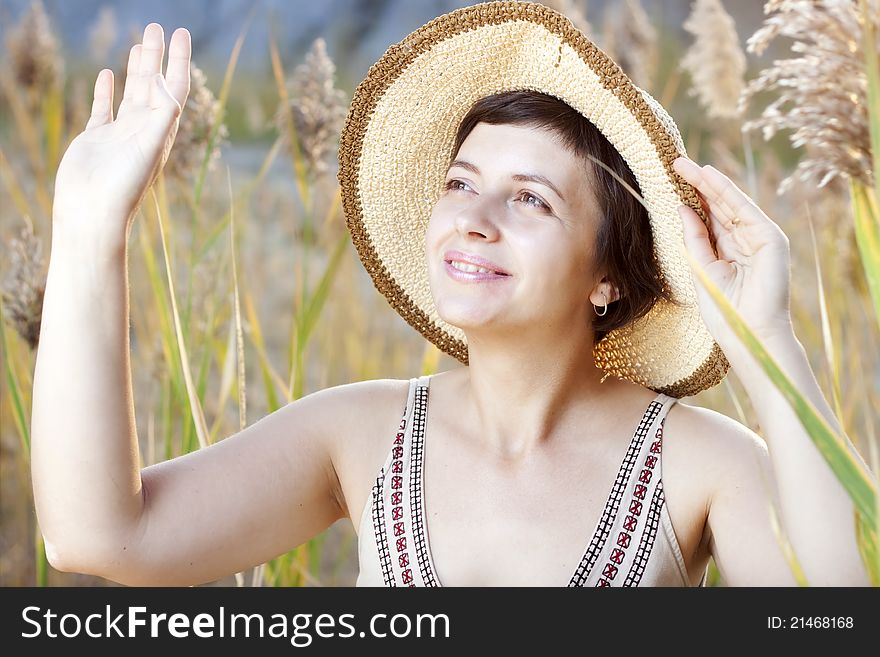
(541, 233)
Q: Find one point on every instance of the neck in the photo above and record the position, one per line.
(524, 389)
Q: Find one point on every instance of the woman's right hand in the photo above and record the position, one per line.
(107, 169)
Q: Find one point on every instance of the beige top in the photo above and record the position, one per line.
(632, 545)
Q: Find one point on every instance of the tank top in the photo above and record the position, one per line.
(633, 543)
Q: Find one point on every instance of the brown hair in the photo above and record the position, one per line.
(624, 233)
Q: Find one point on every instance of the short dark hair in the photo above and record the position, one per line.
(624, 236)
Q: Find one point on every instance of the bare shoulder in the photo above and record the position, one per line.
(712, 437)
(734, 468)
(709, 445)
(702, 449)
(366, 414)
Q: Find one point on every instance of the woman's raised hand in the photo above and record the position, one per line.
(107, 169)
(752, 267)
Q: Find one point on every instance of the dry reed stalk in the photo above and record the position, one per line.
(715, 61)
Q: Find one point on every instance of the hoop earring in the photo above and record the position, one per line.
(604, 312)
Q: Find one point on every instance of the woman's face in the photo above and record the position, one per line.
(517, 198)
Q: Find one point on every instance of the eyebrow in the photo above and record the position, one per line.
(519, 177)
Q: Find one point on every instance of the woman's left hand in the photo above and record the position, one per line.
(752, 268)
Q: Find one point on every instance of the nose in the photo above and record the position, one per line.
(479, 218)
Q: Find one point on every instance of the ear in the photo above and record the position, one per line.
(604, 292)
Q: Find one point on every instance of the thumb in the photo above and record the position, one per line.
(696, 237)
(160, 96)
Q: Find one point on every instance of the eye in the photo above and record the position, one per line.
(535, 201)
(456, 184)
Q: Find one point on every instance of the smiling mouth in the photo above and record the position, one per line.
(468, 268)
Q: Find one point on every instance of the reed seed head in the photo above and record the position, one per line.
(197, 121)
(631, 41)
(34, 50)
(24, 286)
(317, 108)
(103, 34)
(821, 88)
(716, 61)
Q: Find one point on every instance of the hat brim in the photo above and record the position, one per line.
(396, 145)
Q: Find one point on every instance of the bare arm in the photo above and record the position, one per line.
(750, 266)
(84, 458)
(817, 514)
(84, 451)
(204, 515)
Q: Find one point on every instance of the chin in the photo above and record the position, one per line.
(466, 314)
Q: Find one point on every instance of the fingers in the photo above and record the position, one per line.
(730, 205)
(696, 237)
(152, 52)
(161, 98)
(179, 56)
(131, 75)
(102, 105)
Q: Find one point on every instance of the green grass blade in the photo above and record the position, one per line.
(195, 405)
(270, 376)
(867, 543)
(827, 338)
(319, 297)
(24, 125)
(866, 214)
(239, 335)
(226, 358)
(169, 344)
(13, 187)
(19, 413)
(219, 113)
(221, 108)
(867, 536)
(166, 418)
(42, 564)
(737, 404)
(787, 550)
(851, 474)
(243, 197)
(315, 549)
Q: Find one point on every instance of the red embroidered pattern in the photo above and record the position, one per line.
(630, 523)
(397, 506)
(616, 501)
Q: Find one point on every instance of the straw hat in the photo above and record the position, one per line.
(396, 145)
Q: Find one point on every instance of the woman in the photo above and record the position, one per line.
(532, 239)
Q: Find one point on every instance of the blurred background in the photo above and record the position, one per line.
(271, 84)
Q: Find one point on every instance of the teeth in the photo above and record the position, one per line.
(462, 266)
